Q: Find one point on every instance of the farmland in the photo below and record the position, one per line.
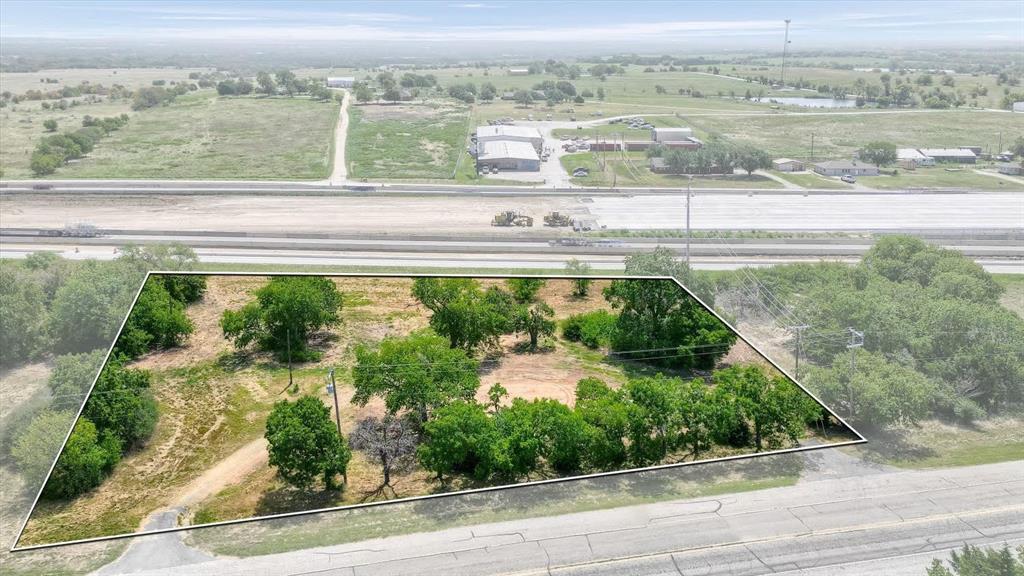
(207, 136)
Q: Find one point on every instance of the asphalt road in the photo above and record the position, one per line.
(468, 262)
(858, 520)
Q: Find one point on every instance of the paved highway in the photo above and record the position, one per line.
(464, 261)
(858, 520)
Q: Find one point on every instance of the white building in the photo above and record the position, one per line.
(1018, 106)
(510, 134)
(670, 134)
(341, 82)
(508, 155)
(787, 165)
(956, 155)
(906, 155)
(518, 71)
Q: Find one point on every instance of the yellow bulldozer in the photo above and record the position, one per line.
(511, 218)
(557, 220)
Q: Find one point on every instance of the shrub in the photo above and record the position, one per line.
(87, 458)
(593, 329)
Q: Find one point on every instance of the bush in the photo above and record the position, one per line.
(157, 321)
(39, 443)
(87, 458)
(71, 377)
(594, 329)
(122, 405)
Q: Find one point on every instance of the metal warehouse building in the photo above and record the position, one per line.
(670, 134)
(508, 155)
(341, 82)
(511, 134)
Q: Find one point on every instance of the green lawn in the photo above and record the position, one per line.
(421, 141)
(1013, 292)
(939, 445)
(937, 177)
(205, 136)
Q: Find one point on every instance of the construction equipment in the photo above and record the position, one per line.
(557, 219)
(512, 218)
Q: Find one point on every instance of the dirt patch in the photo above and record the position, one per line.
(376, 112)
(19, 384)
(207, 340)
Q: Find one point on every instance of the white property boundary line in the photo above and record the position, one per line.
(14, 548)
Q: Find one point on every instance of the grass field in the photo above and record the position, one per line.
(21, 128)
(19, 82)
(938, 176)
(203, 136)
(1013, 292)
(402, 141)
(838, 135)
(935, 444)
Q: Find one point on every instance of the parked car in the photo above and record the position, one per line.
(848, 179)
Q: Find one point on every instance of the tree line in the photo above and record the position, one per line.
(54, 151)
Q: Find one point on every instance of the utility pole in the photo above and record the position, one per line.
(799, 329)
(856, 341)
(785, 47)
(333, 388)
(812, 147)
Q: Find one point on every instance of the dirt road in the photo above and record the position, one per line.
(340, 171)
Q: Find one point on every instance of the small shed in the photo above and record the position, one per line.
(787, 165)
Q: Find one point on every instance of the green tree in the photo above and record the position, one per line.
(750, 159)
(580, 286)
(879, 393)
(363, 93)
(286, 79)
(879, 153)
(974, 561)
(23, 320)
(608, 419)
(653, 418)
(39, 443)
(171, 256)
(1018, 146)
(44, 163)
(156, 321)
(288, 310)
(523, 98)
(88, 307)
(495, 395)
(662, 261)
(700, 415)
(465, 314)
(304, 443)
(529, 431)
(266, 84)
(775, 408)
(459, 437)
(525, 289)
(660, 322)
(71, 377)
(86, 460)
(418, 372)
(122, 404)
(535, 320)
(50, 124)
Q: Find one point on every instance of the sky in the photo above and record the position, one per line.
(815, 24)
